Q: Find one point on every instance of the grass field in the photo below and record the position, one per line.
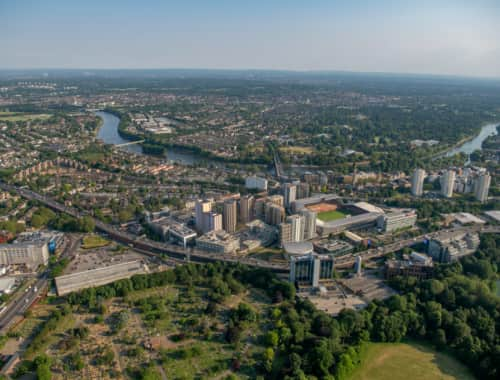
(94, 241)
(297, 149)
(328, 216)
(412, 361)
(18, 116)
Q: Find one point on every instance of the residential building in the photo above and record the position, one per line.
(417, 182)
(274, 214)
(298, 225)
(482, 187)
(289, 194)
(276, 199)
(214, 221)
(230, 215)
(302, 190)
(309, 223)
(246, 208)
(256, 183)
(202, 209)
(447, 183)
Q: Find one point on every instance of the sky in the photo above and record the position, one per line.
(444, 37)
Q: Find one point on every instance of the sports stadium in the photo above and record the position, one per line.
(334, 215)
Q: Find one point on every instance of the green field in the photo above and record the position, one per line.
(328, 216)
(94, 241)
(18, 116)
(412, 361)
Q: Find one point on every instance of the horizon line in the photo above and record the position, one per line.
(297, 71)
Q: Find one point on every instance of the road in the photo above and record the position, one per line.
(21, 302)
(278, 167)
(175, 253)
(348, 261)
(178, 254)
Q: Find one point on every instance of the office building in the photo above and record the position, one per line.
(333, 247)
(447, 183)
(230, 215)
(397, 220)
(256, 183)
(311, 270)
(417, 265)
(417, 182)
(309, 223)
(482, 187)
(218, 242)
(451, 246)
(289, 194)
(30, 254)
(246, 208)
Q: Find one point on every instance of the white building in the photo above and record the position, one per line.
(30, 254)
(289, 194)
(298, 225)
(482, 187)
(309, 223)
(417, 182)
(256, 183)
(447, 183)
(397, 220)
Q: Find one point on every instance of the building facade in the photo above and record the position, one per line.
(482, 187)
(417, 182)
(447, 183)
(311, 270)
(230, 216)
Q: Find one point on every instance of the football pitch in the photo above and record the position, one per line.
(328, 216)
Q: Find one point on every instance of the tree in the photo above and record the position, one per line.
(272, 339)
(267, 359)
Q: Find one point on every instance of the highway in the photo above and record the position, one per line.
(21, 302)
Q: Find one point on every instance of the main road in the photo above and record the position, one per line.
(174, 253)
(178, 255)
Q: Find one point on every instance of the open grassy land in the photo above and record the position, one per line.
(297, 149)
(18, 116)
(408, 361)
(94, 241)
(328, 216)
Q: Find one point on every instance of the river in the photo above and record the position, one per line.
(476, 143)
(108, 133)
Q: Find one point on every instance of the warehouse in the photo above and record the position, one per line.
(100, 276)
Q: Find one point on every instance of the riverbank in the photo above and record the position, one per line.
(112, 133)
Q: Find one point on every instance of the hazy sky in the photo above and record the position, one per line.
(458, 37)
